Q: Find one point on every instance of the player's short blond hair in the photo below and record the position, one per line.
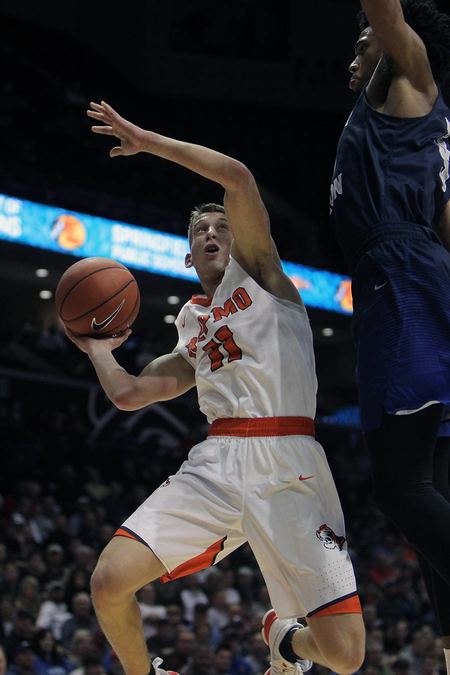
(198, 211)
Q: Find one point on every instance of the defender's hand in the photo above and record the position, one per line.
(131, 136)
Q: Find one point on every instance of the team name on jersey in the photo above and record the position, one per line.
(443, 145)
(336, 189)
(239, 301)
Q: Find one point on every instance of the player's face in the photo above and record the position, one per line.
(367, 55)
(210, 244)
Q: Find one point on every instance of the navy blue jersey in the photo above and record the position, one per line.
(389, 171)
(390, 185)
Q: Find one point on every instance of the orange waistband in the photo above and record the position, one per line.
(262, 426)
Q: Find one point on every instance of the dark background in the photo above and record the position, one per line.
(265, 82)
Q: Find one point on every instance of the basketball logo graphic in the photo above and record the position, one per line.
(69, 232)
(328, 538)
(344, 295)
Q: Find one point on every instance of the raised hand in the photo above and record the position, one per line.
(131, 136)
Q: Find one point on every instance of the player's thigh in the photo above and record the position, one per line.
(339, 637)
(124, 567)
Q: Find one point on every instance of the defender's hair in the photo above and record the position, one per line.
(198, 211)
(432, 26)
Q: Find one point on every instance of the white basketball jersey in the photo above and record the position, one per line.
(252, 352)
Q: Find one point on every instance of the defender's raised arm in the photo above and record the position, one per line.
(401, 43)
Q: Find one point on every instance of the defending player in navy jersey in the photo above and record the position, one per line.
(390, 208)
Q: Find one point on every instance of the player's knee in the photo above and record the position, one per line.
(345, 659)
(106, 582)
(345, 651)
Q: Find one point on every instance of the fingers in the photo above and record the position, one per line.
(95, 114)
(103, 108)
(109, 108)
(106, 130)
(116, 151)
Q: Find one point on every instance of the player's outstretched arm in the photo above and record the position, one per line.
(248, 217)
(164, 378)
(401, 43)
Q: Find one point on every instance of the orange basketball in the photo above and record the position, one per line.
(97, 297)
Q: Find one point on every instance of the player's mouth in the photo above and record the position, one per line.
(354, 83)
(211, 249)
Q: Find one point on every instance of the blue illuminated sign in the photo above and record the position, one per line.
(82, 235)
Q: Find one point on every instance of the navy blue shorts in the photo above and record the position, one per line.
(401, 292)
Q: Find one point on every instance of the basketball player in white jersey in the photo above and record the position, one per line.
(260, 476)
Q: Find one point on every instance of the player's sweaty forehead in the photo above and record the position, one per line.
(364, 40)
(211, 218)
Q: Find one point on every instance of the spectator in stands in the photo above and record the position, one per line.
(81, 647)
(50, 657)
(54, 558)
(257, 657)
(28, 595)
(23, 660)
(192, 595)
(202, 662)
(22, 632)
(82, 618)
(53, 612)
(181, 656)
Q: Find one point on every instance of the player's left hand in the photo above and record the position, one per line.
(131, 136)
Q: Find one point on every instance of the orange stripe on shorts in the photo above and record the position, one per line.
(349, 605)
(124, 533)
(199, 562)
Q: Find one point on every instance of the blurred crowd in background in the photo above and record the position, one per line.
(65, 492)
(64, 489)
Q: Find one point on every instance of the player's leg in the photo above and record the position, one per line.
(295, 526)
(335, 641)
(190, 522)
(123, 568)
(402, 453)
(438, 589)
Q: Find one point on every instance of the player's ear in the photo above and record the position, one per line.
(188, 260)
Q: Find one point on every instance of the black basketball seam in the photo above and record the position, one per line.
(125, 320)
(93, 309)
(109, 267)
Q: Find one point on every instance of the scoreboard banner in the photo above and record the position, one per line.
(82, 235)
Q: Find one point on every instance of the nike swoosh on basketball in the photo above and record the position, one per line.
(108, 320)
(378, 286)
(302, 477)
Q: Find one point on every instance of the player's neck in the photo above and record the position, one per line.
(210, 285)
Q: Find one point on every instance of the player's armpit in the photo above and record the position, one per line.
(164, 378)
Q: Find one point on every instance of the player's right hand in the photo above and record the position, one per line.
(90, 345)
(131, 136)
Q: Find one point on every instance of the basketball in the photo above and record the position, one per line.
(97, 297)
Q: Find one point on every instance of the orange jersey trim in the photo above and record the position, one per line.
(199, 562)
(348, 605)
(202, 300)
(262, 426)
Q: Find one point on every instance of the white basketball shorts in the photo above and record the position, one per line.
(265, 481)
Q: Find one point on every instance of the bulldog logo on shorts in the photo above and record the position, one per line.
(328, 538)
